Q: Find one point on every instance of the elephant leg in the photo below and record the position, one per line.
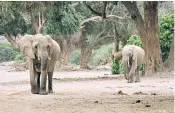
(38, 79)
(126, 71)
(137, 74)
(50, 75)
(34, 87)
(132, 71)
(131, 75)
(33, 82)
(131, 78)
(43, 83)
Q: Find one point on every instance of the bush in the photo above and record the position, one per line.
(20, 57)
(9, 53)
(101, 56)
(166, 31)
(117, 67)
(134, 39)
(75, 57)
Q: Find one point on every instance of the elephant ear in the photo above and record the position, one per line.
(25, 45)
(50, 43)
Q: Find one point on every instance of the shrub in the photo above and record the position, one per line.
(166, 31)
(75, 57)
(117, 67)
(9, 53)
(20, 57)
(134, 39)
(101, 56)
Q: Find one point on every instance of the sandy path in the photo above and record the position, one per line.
(87, 96)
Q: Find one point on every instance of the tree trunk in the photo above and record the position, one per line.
(37, 26)
(169, 63)
(83, 62)
(89, 52)
(66, 50)
(66, 58)
(9, 38)
(116, 39)
(148, 30)
(151, 43)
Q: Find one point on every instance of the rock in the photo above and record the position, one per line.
(96, 102)
(147, 105)
(121, 93)
(138, 101)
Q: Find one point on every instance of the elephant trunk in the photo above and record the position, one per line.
(44, 60)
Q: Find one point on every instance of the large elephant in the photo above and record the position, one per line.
(42, 53)
(133, 57)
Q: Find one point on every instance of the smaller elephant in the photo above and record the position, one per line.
(133, 57)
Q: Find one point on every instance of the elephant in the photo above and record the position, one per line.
(133, 57)
(42, 53)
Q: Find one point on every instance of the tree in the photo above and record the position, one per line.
(12, 21)
(62, 20)
(100, 16)
(148, 30)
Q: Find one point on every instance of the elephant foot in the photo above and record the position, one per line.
(50, 91)
(130, 81)
(137, 81)
(35, 90)
(126, 78)
(43, 92)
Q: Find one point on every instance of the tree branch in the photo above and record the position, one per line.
(9, 38)
(99, 19)
(33, 20)
(92, 10)
(104, 9)
(133, 10)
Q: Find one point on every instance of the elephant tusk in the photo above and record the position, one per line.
(38, 58)
(49, 58)
(128, 64)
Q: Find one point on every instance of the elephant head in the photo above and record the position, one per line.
(42, 49)
(129, 55)
(38, 47)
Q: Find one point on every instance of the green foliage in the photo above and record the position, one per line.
(117, 67)
(134, 39)
(62, 19)
(20, 57)
(12, 21)
(101, 56)
(166, 33)
(75, 57)
(7, 52)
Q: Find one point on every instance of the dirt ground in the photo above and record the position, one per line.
(87, 92)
